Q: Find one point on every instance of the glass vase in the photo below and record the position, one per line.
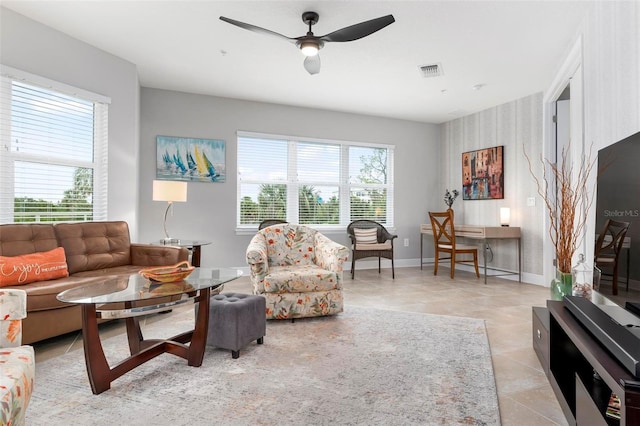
(582, 279)
(561, 285)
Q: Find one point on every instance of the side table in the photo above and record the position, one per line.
(194, 247)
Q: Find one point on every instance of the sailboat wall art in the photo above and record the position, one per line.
(190, 159)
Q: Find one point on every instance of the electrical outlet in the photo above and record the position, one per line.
(406, 242)
(531, 201)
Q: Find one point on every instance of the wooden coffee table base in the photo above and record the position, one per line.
(101, 374)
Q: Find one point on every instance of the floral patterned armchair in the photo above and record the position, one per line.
(17, 363)
(298, 270)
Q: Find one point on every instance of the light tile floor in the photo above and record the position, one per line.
(524, 394)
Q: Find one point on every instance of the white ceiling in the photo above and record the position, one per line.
(513, 48)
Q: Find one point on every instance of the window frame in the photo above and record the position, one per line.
(8, 157)
(293, 184)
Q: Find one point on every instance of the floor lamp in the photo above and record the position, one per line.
(170, 191)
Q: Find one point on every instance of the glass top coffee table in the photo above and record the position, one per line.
(141, 297)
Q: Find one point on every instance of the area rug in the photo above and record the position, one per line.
(364, 366)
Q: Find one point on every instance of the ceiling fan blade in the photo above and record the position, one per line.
(256, 29)
(312, 64)
(357, 31)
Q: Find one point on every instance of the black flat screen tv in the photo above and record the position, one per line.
(618, 197)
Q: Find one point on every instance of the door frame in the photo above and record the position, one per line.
(571, 66)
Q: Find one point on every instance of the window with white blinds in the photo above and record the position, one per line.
(53, 156)
(314, 182)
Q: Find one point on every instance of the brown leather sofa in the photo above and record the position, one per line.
(93, 250)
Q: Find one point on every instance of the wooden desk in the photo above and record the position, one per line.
(486, 234)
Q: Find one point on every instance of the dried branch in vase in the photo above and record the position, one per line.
(567, 203)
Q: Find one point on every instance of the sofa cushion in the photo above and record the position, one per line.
(41, 296)
(303, 279)
(19, 239)
(19, 270)
(94, 245)
(301, 305)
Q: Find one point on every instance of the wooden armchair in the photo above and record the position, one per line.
(444, 240)
(608, 247)
(370, 239)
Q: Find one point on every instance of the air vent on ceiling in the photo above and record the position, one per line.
(431, 70)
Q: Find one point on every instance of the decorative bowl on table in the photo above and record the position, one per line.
(169, 289)
(168, 274)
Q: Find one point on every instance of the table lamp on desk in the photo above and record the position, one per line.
(170, 191)
(505, 216)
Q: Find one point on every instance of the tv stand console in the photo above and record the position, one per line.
(583, 374)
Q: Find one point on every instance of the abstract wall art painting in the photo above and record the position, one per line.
(483, 174)
(190, 159)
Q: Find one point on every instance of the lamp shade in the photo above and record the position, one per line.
(309, 48)
(167, 190)
(505, 216)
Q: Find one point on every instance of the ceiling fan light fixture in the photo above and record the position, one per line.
(310, 44)
(309, 48)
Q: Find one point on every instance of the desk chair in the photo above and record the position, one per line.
(444, 240)
(608, 247)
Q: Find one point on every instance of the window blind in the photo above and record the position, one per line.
(53, 161)
(314, 182)
(371, 192)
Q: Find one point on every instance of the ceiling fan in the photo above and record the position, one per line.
(310, 44)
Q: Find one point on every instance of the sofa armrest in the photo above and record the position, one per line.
(258, 262)
(17, 373)
(151, 255)
(329, 254)
(13, 309)
(17, 363)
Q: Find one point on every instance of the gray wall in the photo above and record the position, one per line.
(611, 63)
(605, 57)
(32, 47)
(210, 211)
(517, 126)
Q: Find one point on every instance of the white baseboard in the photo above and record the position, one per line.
(527, 277)
(409, 263)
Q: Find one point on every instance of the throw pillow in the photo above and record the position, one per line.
(366, 236)
(28, 268)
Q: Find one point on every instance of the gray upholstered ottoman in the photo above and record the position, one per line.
(235, 320)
